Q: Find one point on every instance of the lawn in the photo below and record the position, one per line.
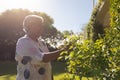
(8, 70)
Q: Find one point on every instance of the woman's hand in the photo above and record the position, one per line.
(26, 59)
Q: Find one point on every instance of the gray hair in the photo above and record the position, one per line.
(31, 20)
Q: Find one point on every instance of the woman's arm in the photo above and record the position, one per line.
(52, 55)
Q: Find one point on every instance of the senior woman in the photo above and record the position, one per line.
(32, 54)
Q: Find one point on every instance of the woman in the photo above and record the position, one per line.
(32, 54)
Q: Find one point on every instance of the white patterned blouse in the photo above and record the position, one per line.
(29, 55)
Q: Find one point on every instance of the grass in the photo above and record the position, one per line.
(8, 71)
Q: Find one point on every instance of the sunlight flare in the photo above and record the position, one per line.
(24, 4)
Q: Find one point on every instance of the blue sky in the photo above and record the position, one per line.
(67, 14)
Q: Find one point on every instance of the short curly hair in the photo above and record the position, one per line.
(31, 20)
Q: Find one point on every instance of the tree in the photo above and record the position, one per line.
(11, 29)
(94, 29)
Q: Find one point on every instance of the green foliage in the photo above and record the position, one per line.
(83, 60)
(90, 59)
(100, 59)
(94, 29)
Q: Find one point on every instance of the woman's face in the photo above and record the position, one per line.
(36, 30)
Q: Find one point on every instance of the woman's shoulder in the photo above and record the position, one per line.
(23, 40)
